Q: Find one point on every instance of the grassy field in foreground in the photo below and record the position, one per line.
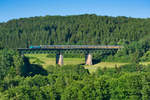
(45, 61)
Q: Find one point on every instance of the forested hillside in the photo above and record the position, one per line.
(81, 29)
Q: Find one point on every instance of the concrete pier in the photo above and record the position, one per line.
(88, 59)
(59, 59)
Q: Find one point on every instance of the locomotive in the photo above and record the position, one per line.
(35, 47)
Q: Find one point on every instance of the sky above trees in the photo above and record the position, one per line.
(12, 9)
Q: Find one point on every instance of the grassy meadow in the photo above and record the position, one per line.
(45, 61)
(93, 68)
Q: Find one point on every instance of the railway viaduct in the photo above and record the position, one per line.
(59, 50)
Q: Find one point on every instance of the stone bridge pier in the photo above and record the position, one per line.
(88, 59)
(59, 59)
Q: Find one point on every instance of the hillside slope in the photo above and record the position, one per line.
(81, 29)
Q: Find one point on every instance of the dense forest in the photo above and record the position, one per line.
(19, 79)
(81, 29)
(132, 33)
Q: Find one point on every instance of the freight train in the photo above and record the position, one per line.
(75, 46)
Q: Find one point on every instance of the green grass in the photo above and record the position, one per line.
(45, 61)
(145, 63)
(93, 68)
(42, 57)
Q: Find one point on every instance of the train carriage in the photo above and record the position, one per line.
(75, 47)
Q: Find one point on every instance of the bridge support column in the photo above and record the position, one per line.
(88, 59)
(59, 59)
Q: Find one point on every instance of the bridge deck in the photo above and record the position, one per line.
(64, 47)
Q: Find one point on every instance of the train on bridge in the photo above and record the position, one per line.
(75, 47)
(60, 49)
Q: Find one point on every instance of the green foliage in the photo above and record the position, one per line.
(81, 29)
(146, 86)
(146, 56)
(127, 87)
(75, 83)
(74, 72)
(11, 63)
(133, 52)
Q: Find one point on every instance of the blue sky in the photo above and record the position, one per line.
(14, 9)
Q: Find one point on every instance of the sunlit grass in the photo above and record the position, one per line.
(34, 58)
(145, 63)
(93, 68)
